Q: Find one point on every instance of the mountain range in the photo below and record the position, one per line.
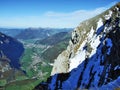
(39, 33)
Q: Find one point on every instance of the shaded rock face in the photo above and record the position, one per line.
(10, 49)
(93, 56)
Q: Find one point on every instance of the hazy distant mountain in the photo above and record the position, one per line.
(39, 33)
(11, 32)
(54, 39)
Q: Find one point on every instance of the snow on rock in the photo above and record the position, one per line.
(99, 23)
(117, 8)
(107, 17)
(79, 58)
(94, 41)
(94, 44)
(91, 33)
(81, 55)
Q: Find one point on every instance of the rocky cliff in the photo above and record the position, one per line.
(92, 59)
(85, 40)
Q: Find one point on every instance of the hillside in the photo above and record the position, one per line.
(54, 39)
(57, 43)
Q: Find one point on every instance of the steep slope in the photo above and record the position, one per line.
(92, 57)
(11, 49)
(86, 36)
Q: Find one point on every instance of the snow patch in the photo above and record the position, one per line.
(80, 56)
(94, 44)
(107, 17)
(90, 35)
(117, 8)
(99, 23)
(78, 59)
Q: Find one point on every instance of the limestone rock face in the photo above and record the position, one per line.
(85, 40)
(62, 60)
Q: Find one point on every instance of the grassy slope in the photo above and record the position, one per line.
(52, 53)
(27, 84)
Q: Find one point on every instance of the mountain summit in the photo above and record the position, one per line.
(92, 58)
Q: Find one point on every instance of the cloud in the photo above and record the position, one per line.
(72, 19)
(53, 19)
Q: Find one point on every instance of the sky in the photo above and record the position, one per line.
(49, 13)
